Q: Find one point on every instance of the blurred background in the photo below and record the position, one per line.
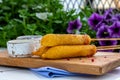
(95, 5)
(40, 17)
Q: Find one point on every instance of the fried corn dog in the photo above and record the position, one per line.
(65, 39)
(58, 52)
(40, 51)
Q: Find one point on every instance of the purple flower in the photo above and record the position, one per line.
(107, 19)
(116, 17)
(108, 43)
(74, 25)
(108, 14)
(94, 20)
(102, 22)
(103, 32)
(114, 30)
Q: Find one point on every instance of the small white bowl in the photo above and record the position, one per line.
(29, 37)
(20, 48)
(36, 40)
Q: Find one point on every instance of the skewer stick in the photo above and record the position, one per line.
(113, 46)
(104, 39)
(108, 47)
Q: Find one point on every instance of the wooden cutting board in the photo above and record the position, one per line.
(99, 64)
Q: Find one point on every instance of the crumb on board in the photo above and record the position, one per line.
(68, 59)
(92, 60)
(105, 56)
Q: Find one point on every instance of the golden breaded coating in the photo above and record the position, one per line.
(58, 52)
(65, 39)
(40, 51)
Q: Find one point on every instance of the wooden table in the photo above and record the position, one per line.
(12, 73)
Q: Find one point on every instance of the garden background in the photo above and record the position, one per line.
(40, 17)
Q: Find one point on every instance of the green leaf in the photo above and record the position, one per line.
(31, 27)
(58, 21)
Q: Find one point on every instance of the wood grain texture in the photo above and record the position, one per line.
(99, 64)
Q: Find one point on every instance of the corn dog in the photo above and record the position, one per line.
(65, 39)
(40, 51)
(58, 52)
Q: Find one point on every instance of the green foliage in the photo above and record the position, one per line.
(85, 14)
(19, 17)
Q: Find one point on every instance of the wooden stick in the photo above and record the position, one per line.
(104, 39)
(112, 48)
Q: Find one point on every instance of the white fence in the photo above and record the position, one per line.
(94, 4)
